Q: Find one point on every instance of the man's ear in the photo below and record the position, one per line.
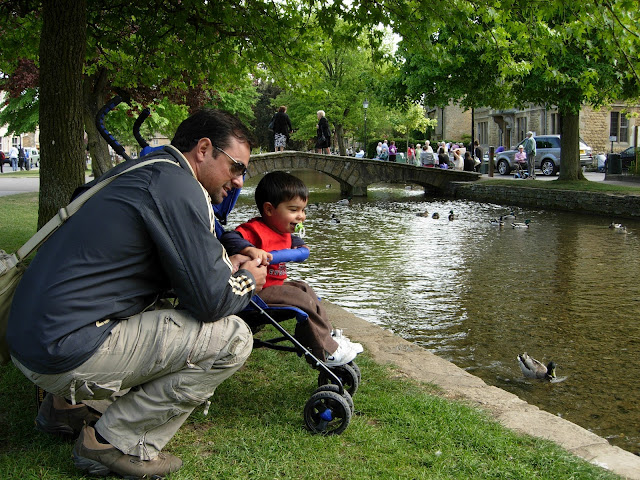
(202, 147)
(268, 209)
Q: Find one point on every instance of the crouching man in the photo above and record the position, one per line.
(97, 326)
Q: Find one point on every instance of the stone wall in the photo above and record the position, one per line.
(606, 204)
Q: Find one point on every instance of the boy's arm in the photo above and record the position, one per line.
(235, 243)
(297, 242)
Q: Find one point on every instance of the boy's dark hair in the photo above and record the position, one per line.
(277, 187)
(216, 125)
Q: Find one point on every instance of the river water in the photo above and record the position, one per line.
(566, 289)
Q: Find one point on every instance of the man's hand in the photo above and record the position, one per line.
(237, 260)
(257, 253)
(258, 271)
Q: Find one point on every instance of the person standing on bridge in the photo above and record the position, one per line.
(281, 128)
(323, 134)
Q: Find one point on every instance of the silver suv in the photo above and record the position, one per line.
(547, 155)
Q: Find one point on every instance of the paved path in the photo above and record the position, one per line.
(13, 185)
(417, 363)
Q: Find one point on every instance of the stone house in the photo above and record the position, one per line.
(608, 129)
(453, 123)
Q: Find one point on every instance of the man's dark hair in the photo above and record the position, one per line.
(277, 187)
(216, 125)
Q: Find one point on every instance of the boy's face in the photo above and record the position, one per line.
(285, 217)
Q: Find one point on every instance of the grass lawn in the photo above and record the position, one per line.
(400, 429)
(254, 429)
(582, 186)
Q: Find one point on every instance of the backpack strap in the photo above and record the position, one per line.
(65, 212)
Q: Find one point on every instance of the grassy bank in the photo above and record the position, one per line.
(401, 429)
(582, 186)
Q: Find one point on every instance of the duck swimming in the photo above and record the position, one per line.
(344, 201)
(521, 225)
(452, 216)
(618, 226)
(424, 214)
(532, 368)
(510, 216)
(435, 216)
(497, 222)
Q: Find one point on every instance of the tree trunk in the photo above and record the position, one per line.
(570, 168)
(94, 99)
(62, 49)
(340, 139)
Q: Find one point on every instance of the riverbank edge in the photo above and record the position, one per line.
(613, 205)
(419, 364)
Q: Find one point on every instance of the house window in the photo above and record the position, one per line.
(555, 124)
(521, 127)
(619, 127)
(483, 133)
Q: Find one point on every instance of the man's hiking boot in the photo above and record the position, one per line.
(102, 459)
(65, 423)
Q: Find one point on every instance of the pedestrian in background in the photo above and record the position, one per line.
(478, 154)
(468, 162)
(411, 155)
(21, 158)
(13, 158)
(323, 134)
(281, 128)
(458, 163)
(393, 151)
(379, 150)
(530, 149)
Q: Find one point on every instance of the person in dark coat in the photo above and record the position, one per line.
(469, 162)
(323, 133)
(281, 128)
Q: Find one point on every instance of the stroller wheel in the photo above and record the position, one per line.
(336, 389)
(327, 413)
(347, 376)
(356, 368)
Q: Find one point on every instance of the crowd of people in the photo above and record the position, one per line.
(447, 155)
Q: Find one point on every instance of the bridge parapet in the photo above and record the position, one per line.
(355, 174)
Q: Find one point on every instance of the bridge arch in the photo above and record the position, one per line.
(355, 174)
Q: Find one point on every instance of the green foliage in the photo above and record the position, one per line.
(20, 114)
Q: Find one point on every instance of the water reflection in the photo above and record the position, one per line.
(566, 289)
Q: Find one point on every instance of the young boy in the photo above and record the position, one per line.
(281, 199)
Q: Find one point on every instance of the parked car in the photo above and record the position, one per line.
(627, 156)
(34, 156)
(547, 155)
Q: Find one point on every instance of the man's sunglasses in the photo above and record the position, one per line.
(237, 169)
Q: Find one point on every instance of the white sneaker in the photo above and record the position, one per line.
(339, 337)
(353, 345)
(343, 355)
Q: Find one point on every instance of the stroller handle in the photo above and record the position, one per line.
(136, 127)
(110, 139)
(290, 255)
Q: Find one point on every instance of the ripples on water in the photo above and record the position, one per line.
(566, 289)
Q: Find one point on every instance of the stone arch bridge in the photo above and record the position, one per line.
(355, 174)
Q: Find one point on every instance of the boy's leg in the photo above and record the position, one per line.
(314, 333)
